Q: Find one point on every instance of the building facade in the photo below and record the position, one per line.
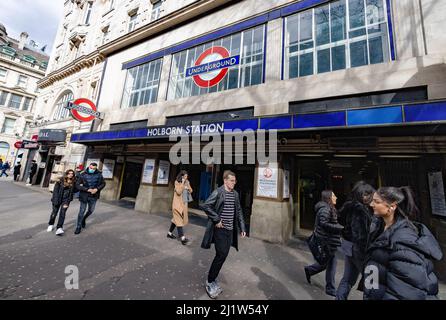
(355, 88)
(22, 65)
(76, 68)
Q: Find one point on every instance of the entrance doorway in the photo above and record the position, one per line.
(336, 173)
(131, 180)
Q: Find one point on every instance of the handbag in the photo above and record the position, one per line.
(319, 251)
(189, 197)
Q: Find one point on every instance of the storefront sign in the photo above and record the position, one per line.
(83, 110)
(107, 168)
(436, 190)
(147, 175)
(27, 144)
(52, 135)
(18, 144)
(286, 184)
(186, 130)
(163, 172)
(212, 66)
(267, 180)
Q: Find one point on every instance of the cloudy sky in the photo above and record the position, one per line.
(39, 18)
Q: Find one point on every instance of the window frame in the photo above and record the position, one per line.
(61, 113)
(132, 22)
(11, 127)
(346, 42)
(88, 11)
(3, 77)
(21, 76)
(11, 98)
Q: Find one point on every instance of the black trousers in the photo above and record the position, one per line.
(16, 176)
(62, 213)
(180, 229)
(223, 241)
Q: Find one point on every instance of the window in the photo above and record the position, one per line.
(88, 12)
(27, 104)
(141, 84)
(339, 35)
(61, 112)
(3, 96)
(22, 81)
(26, 131)
(248, 45)
(112, 4)
(8, 126)
(3, 73)
(15, 101)
(93, 87)
(156, 11)
(132, 22)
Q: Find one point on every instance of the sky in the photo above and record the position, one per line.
(39, 18)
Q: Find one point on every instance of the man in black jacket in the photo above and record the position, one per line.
(225, 219)
(90, 184)
(32, 172)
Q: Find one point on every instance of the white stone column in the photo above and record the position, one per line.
(164, 78)
(274, 50)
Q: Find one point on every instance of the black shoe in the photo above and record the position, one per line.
(331, 293)
(307, 275)
(83, 223)
(171, 236)
(185, 241)
(77, 231)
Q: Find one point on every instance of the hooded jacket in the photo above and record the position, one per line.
(403, 258)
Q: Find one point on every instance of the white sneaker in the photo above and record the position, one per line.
(49, 229)
(59, 232)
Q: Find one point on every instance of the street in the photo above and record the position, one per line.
(124, 254)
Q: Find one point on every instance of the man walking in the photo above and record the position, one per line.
(90, 184)
(32, 172)
(225, 220)
(17, 168)
(5, 168)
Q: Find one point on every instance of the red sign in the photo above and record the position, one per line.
(212, 66)
(18, 144)
(83, 110)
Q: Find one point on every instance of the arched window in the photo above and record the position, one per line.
(4, 148)
(61, 112)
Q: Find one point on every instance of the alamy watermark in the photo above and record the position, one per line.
(72, 277)
(215, 145)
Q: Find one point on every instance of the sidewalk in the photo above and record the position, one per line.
(124, 254)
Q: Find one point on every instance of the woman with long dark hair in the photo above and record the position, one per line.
(400, 252)
(61, 199)
(357, 216)
(181, 198)
(326, 236)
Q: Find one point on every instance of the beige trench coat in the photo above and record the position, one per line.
(179, 208)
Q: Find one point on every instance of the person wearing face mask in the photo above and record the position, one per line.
(400, 252)
(89, 184)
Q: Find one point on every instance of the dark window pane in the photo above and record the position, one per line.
(322, 25)
(292, 29)
(358, 53)
(338, 58)
(306, 26)
(323, 61)
(376, 50)
(256, 76)
(338, 20)
(356, 33)
(306, 64)
(293, 67)
(356, 13)
(233, 78)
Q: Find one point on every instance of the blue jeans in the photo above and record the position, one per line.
(91, 202)
(351, 274)
(330, 273)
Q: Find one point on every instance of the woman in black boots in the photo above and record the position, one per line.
(325, 240)
(62, 196)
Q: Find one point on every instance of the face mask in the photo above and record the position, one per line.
(91, 170)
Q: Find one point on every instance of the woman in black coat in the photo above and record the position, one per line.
(62, 196)
(326, 235)
(357, 216)
(400, 252)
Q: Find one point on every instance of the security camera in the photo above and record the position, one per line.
(233, 115)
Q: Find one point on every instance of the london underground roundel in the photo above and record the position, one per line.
(88, 105)
(212, 66)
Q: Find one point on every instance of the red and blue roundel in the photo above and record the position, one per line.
(212, 66)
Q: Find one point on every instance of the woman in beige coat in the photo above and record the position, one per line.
(181, 197)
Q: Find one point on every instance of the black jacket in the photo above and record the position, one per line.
(213, 208)
(357, 218)
(17, 169)
(58, 193)
(327, 229)
(82, 184)
(402, 257)
(33, 169)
